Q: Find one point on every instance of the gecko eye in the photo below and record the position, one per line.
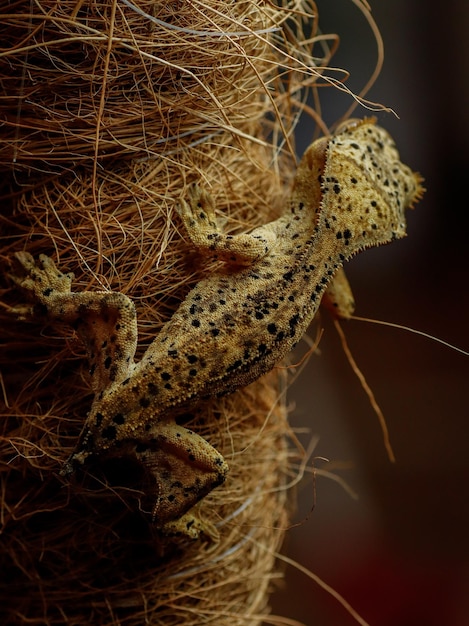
(349, 124)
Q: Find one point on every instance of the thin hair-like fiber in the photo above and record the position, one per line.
(110, 109)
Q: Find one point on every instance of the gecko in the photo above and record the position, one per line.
(350, 192)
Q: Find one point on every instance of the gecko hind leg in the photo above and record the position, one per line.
(185, 468)
(41, 283)
(104, 320)
(198, 217)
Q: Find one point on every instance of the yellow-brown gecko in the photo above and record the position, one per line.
(350, 192)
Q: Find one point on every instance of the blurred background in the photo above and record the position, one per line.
(400, 552)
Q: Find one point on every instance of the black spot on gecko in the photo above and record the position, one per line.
(118, 418)
(152, 389)
(293, 322)
(234, 365)
(107, 362)
(109, 432)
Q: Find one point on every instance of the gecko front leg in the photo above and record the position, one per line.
(198, 217)
(338, 298)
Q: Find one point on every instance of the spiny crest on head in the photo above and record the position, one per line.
(365, 186)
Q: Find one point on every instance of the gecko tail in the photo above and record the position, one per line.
(84, 449)
(74, 462)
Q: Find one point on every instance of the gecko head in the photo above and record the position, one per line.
(307, 185)
(366, 189)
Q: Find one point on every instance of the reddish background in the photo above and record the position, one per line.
(400, 554)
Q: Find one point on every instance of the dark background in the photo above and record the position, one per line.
(400, 553)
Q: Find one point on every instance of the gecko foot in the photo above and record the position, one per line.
(185, 468)
(189, 526)
(198, 213)
(198, 217)
(41, 281)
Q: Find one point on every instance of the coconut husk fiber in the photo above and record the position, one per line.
(109, 110)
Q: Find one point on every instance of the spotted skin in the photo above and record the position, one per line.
(350, 192)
